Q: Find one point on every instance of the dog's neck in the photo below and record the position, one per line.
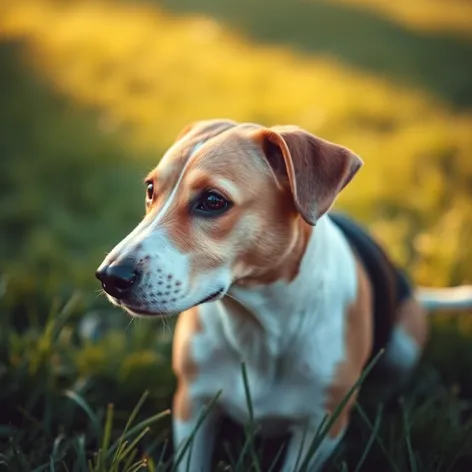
(276, 313)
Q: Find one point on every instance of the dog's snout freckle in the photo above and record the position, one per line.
(178, 283)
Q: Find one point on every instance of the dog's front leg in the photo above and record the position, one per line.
(197, 437)
(299, 449)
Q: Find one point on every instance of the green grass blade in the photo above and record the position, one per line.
(232, 461)
(136, 429)
(161, 458)
(133, 443)
(242, 454)
(406, 428)
(63, 315)
(250, 430)
(135, 467)
(4, 461)
(276, 458)
(79, 446)
(154, 444)
(461, 448)
(344, 467)
(100, 465)
(55, 447)
(370, 442)
(43, 467)
(84, 405)
(108, 427)
(320, 428)
(377, 438)
(132, 417)
(128, 464)
(200, 420)
(334, 416)
(151, 466)
(106, 437)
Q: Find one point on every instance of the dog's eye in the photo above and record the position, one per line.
(212, 202)
(149, 191)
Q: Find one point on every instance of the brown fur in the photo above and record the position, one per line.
(358, 342)
(317, 170)
(183, 365)
(263, 233)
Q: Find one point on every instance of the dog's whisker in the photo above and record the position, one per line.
(166, 324)
(130, 322)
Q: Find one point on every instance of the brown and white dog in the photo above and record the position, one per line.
(236, 215)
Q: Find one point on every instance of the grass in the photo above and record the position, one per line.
(61, 414)
(92, 93)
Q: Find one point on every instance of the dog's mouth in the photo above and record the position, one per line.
(141, 310)
(212, 297)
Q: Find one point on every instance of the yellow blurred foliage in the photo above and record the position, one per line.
(454, 16)
(150, 72)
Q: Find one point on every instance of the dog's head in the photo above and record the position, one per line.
(225, 205)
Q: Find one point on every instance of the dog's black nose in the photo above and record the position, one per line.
(117, 278)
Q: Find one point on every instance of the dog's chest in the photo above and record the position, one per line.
(282, 390)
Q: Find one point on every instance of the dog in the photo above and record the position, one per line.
(239, 240)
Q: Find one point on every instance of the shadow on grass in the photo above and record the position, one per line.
(437, 62)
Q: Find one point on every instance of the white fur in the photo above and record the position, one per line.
(291, 350)
(148, 225)
(402, 352)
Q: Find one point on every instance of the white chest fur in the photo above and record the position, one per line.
(290, 337)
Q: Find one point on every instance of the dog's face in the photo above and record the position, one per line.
(224, 205)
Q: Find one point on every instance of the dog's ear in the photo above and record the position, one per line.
(205, 129)
(316, 170)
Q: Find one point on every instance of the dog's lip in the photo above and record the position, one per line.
(140, 310)
(212, 297)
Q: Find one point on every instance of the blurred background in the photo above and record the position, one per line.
(92, 94)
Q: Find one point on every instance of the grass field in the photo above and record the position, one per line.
(92, 93)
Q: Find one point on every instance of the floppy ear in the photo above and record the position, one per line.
(206, 128)
(316, 170)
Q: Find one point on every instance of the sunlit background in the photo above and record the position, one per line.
(93, 92)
